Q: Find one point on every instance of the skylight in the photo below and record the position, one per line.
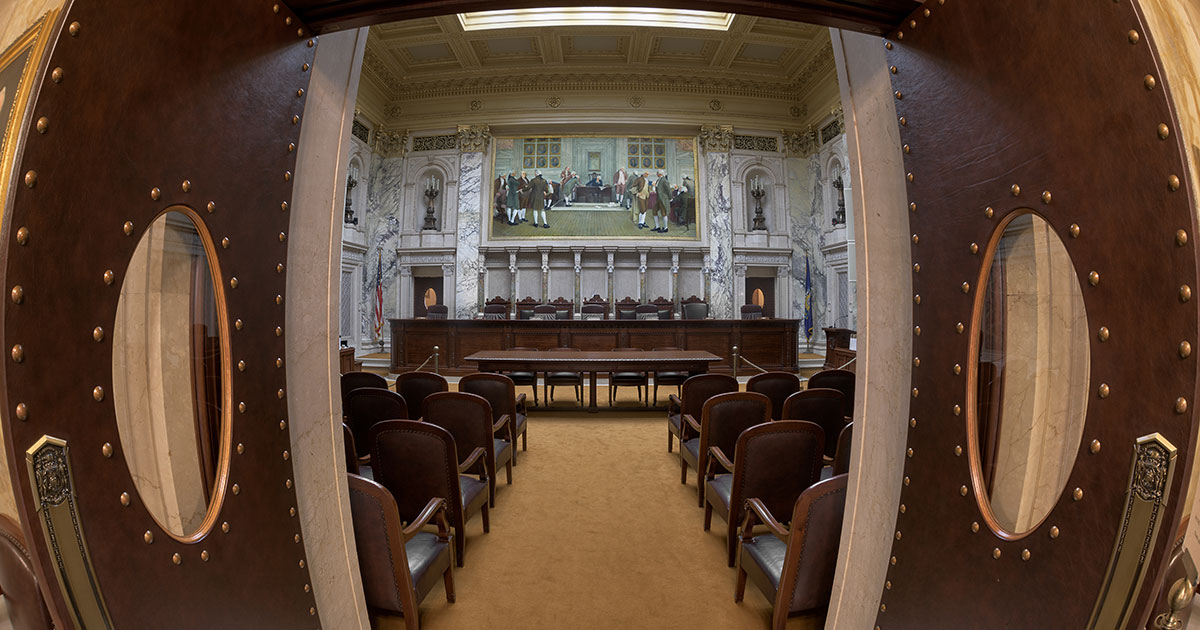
(595, 16)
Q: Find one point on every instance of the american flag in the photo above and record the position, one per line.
(379, 299)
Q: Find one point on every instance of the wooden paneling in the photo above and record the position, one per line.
(771, 343)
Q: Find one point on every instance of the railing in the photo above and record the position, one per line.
(738, 358)
(433, 357)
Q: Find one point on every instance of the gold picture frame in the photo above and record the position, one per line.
(19, 64)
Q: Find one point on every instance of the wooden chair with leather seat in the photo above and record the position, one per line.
(351, 450)
(841, 461)
(354, 380)
(823, 406)
(366, 406)
(752, 311)
(495, 311)
(627, 379)
(522, 379)
(416, 462)
(415, 386)
(841, 380)
(399, 565)
(501, 394)
(793, 567)
(544, 312)
(593, 312)
(668, 379)
(645, 311)
(468, 417)
(562, 379)
(774, 385)
(722, 420)
(773, 462)
(695, 310)
(693, 393)
(18, 581)
(437, 311)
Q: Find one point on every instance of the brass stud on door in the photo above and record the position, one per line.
(278, 362)
(296, 120)
(18, 353)
(304, 68)
(279, 394)
(912, 207)
(1054, 532)
(307, 588)
(98, 334)
(1172, 183)
(1185, 293)
(957, 410)
(279, 268)
(125, 499)
(1078, 494)
(912, 422)
(282, 425)
(18, 294)
(278, 331)
(903, 121)
(1046, 197)
(1185, 349)
(22, 235)
(1181, 405)
(1133, 37)
(1102, 334)
(148, 537)
(31, 178)
(282, 237)
(1149, 82)
(975, 527)
(108, 276)
(236, 489)
(57, 75)
(1016, 190)
(73, 29)
(1074, 230)
(916, 267)
(959, 328)
(1094, 278)
(177, 559)
(225, 527)
(300, 93)
(916, 361)
(288, 484)
(957, 369)
(225, 243)
(155, 194)
(287, 21)
(98, 393)
(887, 45)
(211, 206)
(917, 299)
(996, 553)
(283, 206)
(894, 69)
(1104, 390)
(204, 555)
(233, 282)
(903, 508)
(286, 456)
(907, 480)
(22, 412)
(291, 147)
(42, 125)
(241, 365)
(1094, 447)
(974, 248)
(915, 393)
(292, 512)
(275, 8)
(127, 228)
(910, 177)
(278, 299)
(237, 323)
(1164, 131)
(186, 185)
(241, 407)
(916, 239)
(963, 491)
(989, 212)
(912, 24)
(241, 448)
(287, 176)
(958, 451)
(1025, 555)
(300, 564)
(1181, 237)
(917, 331)
(106, 450)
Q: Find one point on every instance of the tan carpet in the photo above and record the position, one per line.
(596, 532)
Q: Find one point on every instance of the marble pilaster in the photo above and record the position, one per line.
(720, 234)
(467, 258)
(642, 277)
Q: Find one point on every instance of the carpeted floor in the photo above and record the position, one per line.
(596, 532)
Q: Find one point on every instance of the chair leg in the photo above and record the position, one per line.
(707, 516)
(740, 592)
(492, 491)
(656, 392)
(670, 439)
(448, 579)
(487, 524)
(535, 400)
(508, 468)
(460, 540)
(699, 487)
(682, 466)
(524, 443)
(579, 394)
(549, 396)
(731, 539)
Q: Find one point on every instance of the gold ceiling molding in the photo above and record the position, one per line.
(474, 138)
(800, 142)
(390, 142)
(593, 82)
(716, 138)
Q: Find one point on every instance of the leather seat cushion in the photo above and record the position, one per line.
(722, 485)
(673, 378)
(768, 553)
(674, 419)
(502, 447)
(569, 377)
(428, 559)
(472, 488)
(519, 428)
(693, 447)
(629, 378)
(523, 377)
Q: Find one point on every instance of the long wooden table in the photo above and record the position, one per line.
(690, 361)
(770, 343)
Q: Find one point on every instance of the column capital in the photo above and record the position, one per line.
(716, 138)
(474, 138)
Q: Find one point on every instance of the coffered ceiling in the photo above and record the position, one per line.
(435, 57)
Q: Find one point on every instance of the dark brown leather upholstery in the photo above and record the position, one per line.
(354, 380)
(773, 462)
(668, 378)
(627, 379)
(437, 311)
(645, 311)
(468, 417)
(694, 392)
(495, 311)
(417, 461)
(571, 379)
(501, 394)
(823, 406)
(841, 380)
(794, 568)
(525, 378)
(841, 461)
(415, 386)
(774, 385)
(366, 406)
(695, 310)
(544, 311)
(350, 448)
(18, 582)
(722, 420)
(398, 566)
(593, 311)
(752, 311)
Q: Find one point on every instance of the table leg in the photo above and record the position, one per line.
(592, 393)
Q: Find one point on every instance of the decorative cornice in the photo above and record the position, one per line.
(391, 142)
(503, 83)
(800, 143)
(474, 138)
(716, 138)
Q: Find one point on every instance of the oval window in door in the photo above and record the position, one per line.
(431, 297)
(170, 375)
(1028, 391)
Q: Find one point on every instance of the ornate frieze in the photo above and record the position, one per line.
(474, 138)
(716, 138)
(391, 142)
(756, 143)
(446, 142)
(800, 142)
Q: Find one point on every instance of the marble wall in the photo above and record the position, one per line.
(468, 228)
(720, 233)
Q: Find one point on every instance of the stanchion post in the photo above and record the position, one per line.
(436, 352)
(736, 358)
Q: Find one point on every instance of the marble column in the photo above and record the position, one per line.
(513, 286)
(641, 296)
(612, 300)
(406, 289)
(481, 298)
(783, 297)
(675, 281)
(706, 271)
(739, 289)
(578, 282)
(452, 297)
(473, 143)
(716, 142)
(545, 276)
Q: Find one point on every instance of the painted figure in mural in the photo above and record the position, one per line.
(631, 192)
(537, 198)
(642, 192)
(568, 187)
(549, 200)
(662, 202)
(512, 187)
(619, 181)
(499, 195)
(595, 181)
(524, 188)
(687, 198)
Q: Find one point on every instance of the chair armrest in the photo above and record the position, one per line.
(673, 403)
(436, 506)
(715, 454)
(687, 417)
(471, 460)
(504, 420)
(520, 402)
(755, 507)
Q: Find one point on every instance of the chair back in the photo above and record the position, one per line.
(698, 389)
(497, 389)
(777, 386)
(775, 462)
(841, 380)
(646, 311)
(593, 311)
(468, 418)
(382, 561)
(416, 461)
(695, 310)
(813, 543)
(367, 406)
(495, 311)
(751, 311)
(26, 607)
(354, 380)
(350, 448)
(626, 314)
(564, 349)
(415, 386)
(544, 311)
(841, 460)
(821, 405)
(725, 416)
(437, 311)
